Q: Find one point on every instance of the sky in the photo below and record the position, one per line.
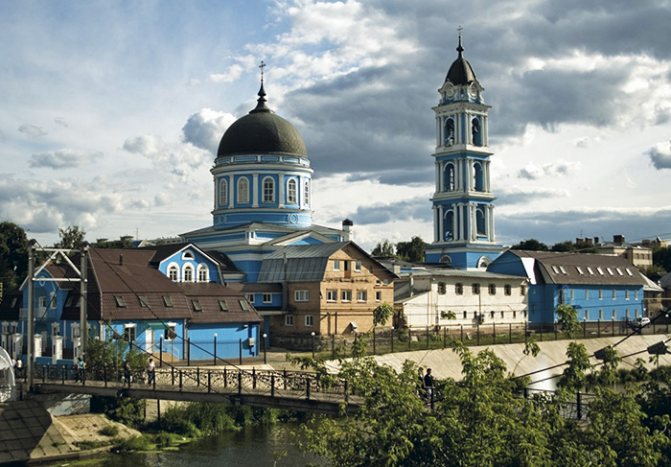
(111, 111)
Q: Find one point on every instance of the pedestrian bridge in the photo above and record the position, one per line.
(289, 390)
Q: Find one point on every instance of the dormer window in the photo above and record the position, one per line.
(142, 300)
(120, 302)
(167, 301)
(173, 273)
(196, 305)
(222, 305)
(203, 273)
(188, 273)
(580, 271)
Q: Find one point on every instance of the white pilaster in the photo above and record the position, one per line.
(281, 191)
(231, 191)
(255, 190)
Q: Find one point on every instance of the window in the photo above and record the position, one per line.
(635, 294)
(610, 271)
(580, 271)
(459, 288)
(346, 265)
(600, 270)
(600, 294)
(306, 194)
(626, 314)
(514, 314)
(357, 266)
(523, 291)
(572, 294)
(144, 303)
(243, 190)
(292, 195)
(173, 273)
(301, 295)
(120, 302)
(187, 255)
(614, 294)
(441, 288)
(244, 304)
(480, 221)
(267, 298)
(309, 320)
(491, 314)
(465, 314)
(288, 320)
(129, 332)
(378, 296)
(507, 289)
(188, 273)
(346, 295)
(449, 177)
(492, 289)
(626, 294)
(502, 314)
(203, 273)
(563, 271)
(331, 295)
(612, 314)
(336, 265)
(600, 314)
(619, 271)
(590, 270)
(361, 296)
(586, 294)
(476, 133)
(223, 192)
(628, 272)
(170, 332)
(555, 269)
(42, 302)
(475, 289)
(250, 297)
(196, 305)
(448, 138)
(167, 301)
(223, 306)
(268, 190)
(585, 315)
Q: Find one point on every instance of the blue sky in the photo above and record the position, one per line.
(110, 110)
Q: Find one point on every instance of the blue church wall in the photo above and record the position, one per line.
(230, 339)
(250, 268)
(297, 219)
(259, 190)
(508, 263)
(257, 299)
(182, 259)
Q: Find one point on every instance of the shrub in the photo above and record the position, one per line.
(136, 443)
(109, 430)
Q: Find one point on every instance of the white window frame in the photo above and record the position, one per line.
(185, 268)
(361, 295)
(345, 293)
(203, 273)
(271, 190)
(169, 332)
(267, 297)
(243, 192)
(223, 192)
(357, 266)
(250, 297)
(127, 330)
(301, 295)
(336, 265)
(173, 272)
(309, 321)
(288, 320)
(378, 295)
(331, 295)
(292, 191)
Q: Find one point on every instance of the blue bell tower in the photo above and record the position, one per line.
(463, 210)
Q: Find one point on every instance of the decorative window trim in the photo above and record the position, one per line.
(301, 295)
(268, 190)
(306, 193)
(187, 268)
(292, 191)
(173, 272)
(203, 273)
(267, 298)
(458, 288)
(223, 192)
(243, 191)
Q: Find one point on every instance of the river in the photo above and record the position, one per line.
(253, 446)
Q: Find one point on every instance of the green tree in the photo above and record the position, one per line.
(531, 244)
(411, 251)
(71, 237)
(384, 249)
(13, 256)
(574, 375)
(567, 319)
(563, 246)
(661, 257)
(382, 313)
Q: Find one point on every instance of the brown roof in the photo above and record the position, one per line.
(208, 297)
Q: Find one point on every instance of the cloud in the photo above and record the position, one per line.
(32, 130)
(230, 75)
(660, 155)
(205, 128)
(561, 168)
(62, 159)
(180, 159)
(510, 196)
(418, 208)
(61, 122)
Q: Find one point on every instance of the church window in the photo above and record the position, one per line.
(268, 190)
(480, 222)
(445, 259)
(173, 273)
(449, 225)
(476, 132)
(478, 177)
(449, 177)
(188, 273)
(223, 192)
(292, 196)
(306, 194)
(203, 273)
(243, 190)
(449, 132)
(459, 288)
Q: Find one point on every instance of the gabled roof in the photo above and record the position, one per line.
(255, 226)
(579, 268)
(209, 296)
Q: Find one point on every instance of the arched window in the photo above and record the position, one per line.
(306, 193)
(268, 190)
(223, 192)
(292, 195)
(480, 222)
(476, 132)
(187, 273)
(448, 225)
(449, 177)
(173, 273)
(243, 190)
(445, 259)
(478, 177)
(483, 262)
(203, 273)
(448, 139)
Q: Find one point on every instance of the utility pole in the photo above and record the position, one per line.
(83, 325)
(31, 313)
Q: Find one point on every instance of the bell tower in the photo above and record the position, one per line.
(463, 213)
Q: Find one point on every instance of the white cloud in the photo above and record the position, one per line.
(561, 168)
(32, 130)
(205, 128)
(660, 155)
(234, 71)
(180, 159)
(63, 159)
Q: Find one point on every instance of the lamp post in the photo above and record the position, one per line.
(265, 348)
(215, 349)
(392, 339)
(313, 343)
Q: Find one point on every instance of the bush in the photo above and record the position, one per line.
(109, 430)
(174, 420)
(136, 443)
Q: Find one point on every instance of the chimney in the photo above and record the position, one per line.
(619, 239)
(596, 240)
(347, 229)
(120, 259)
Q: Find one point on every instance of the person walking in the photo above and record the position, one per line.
(428, 384)
(151, 371)
(127, 375)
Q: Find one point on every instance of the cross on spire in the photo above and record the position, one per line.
(460, 49)
(261, 67)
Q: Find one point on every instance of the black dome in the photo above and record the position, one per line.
(262, 132)
(460, 72)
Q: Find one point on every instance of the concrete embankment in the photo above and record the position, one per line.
(30, 433)
(445, 363)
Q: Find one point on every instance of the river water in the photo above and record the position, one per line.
(253, 446)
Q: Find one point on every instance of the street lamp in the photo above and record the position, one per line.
(265, 348)
(392, 339)
(313, 343)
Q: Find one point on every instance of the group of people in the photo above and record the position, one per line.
(150, 372)
(425, 386)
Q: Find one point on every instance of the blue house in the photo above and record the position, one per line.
(601, 288)
(171, 300)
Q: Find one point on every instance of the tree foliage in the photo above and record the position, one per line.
(531, 245)
(384, 249)
(662, 257)
(13, 256)
(412, 251)
(71, 237)
(567, 320)
(382, 314)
